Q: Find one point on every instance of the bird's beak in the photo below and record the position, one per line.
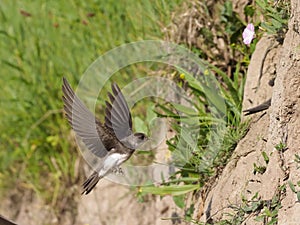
(148, 143)
(149, 139)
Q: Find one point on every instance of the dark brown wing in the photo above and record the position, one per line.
(117, 115)
(258, 108)
(83, 122)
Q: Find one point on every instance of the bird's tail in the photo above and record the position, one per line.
(4, 221)
(90, 183)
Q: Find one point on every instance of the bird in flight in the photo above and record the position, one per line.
(113, 141)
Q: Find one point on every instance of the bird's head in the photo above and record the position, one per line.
(140, 138)
(135, 140)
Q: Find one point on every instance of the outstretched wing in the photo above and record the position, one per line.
(117, 114)
(83, 122)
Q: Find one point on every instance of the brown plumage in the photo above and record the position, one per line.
(113, 141)
(4, 221)
(90, 183)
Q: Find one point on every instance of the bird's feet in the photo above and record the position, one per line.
(118, 171)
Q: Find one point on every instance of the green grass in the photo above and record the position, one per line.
(216, 137)
(40, 43)
(208, 130)
(43, 41)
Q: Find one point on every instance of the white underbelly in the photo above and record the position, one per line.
(112, 161)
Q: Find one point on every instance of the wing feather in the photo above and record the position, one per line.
(83, 122)
(117, 115)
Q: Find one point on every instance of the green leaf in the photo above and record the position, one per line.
(185, 109)
(277, 24)
(270, 29)
(194, 83)
(150, 113)
(170, 190)
(249, 10)
(139, 125)
(292, 186)
(298, 196)
(266, 158)
(179, 201)
(261, 4)
(184, 179)
(12, 65)
(231, 85)
(169, 113)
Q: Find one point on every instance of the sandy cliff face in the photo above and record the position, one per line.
(113, 203)
(280, 124)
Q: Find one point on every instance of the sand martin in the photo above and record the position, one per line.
(113, 141)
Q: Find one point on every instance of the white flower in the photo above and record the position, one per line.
(248, 34)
